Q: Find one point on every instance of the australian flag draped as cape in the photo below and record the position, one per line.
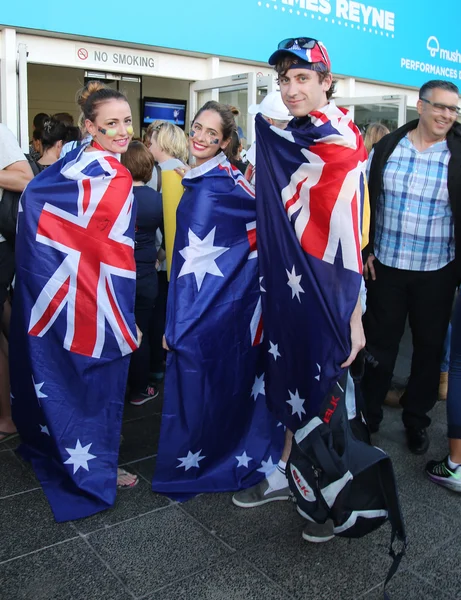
(217, 434)
(73, 327)
(310, 190)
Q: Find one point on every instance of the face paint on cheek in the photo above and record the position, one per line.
(192, 133)
(216, 141)
(129, 130)
(109, 132)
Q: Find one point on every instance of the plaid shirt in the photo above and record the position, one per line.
(414, 222)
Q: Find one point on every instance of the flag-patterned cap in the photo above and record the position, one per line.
(309, 50)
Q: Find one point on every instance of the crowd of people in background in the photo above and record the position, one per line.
(410, 264)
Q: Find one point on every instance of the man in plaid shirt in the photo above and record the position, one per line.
(412, 260)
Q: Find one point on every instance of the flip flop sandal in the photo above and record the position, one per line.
(126, 486)
(8, 436)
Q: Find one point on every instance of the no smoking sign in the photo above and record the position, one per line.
(82, 53)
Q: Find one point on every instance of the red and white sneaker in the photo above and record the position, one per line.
(140, 398)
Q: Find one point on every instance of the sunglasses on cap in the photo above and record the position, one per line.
(303, 43)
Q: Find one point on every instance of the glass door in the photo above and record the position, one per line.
(389, 110)
(237, 90)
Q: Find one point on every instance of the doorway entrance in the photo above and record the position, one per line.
(241, 91)
(388, 110)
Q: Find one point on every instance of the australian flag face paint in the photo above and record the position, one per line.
(109, 132)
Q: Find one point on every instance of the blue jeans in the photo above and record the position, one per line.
(446, 351)
(454, 376)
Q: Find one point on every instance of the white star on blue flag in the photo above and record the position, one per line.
(294, 282)
(243, 460)
(200, 257)
(79, 456)
(191, 460)
(296, 403)
(258, 387)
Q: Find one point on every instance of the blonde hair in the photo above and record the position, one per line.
(81, 124)
(151, 127)
(374, 132)
(170, 139)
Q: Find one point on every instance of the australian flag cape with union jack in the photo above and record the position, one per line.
(73, 327)
(310, 190)
(217, 434)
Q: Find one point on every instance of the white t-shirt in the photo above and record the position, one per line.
(10, 152)
(167, 165)
(251, 154)
(72, 145)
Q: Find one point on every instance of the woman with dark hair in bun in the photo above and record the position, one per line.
(73, 325)
(53, 135)
(217, 434)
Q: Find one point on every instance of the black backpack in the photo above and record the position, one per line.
(335, 475)
(9, 205)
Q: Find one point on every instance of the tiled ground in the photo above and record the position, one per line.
(206, 549)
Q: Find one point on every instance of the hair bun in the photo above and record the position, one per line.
(49, 124)
(90, 88)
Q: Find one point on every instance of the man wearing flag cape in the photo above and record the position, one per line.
(310, 195)
(73, 326)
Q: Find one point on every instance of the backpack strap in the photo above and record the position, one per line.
(159, 177)
(387, 479)
(395, 519)
(323, 456)
(33, 165)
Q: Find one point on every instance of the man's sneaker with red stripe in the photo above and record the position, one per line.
(140, 398)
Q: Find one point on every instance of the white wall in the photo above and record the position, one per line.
(350, 87)
(52, 90)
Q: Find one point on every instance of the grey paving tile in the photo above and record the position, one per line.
(405, 586)
(339, 570)
(413, 482)
(238, 526)
(392, 428)
(68, 571)
(10, 444)
(153, 407)
(145, 468)
(129, 503)
(16, 476)
(230, 580)
(27, 524)
(441, 568)
(439, 412)
(140, 438)
(157, 549)
(426, 530)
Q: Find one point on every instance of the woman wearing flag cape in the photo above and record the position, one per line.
(73, 326)
(217, 434)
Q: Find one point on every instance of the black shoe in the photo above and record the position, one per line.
(417, 440)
